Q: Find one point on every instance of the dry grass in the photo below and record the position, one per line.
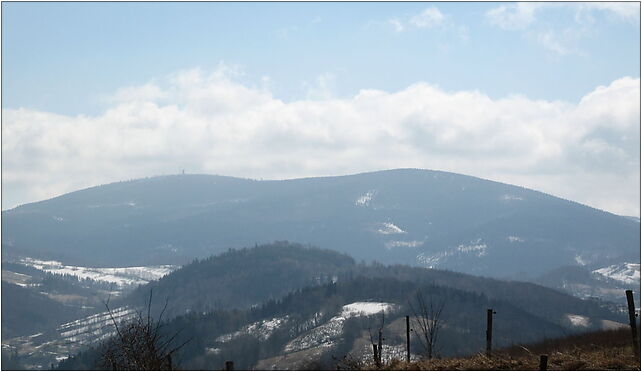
(607, 350)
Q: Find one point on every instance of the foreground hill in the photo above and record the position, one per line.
(407, 216)
(601, 350)
(336, 319)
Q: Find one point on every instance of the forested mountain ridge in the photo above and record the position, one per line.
(250, 276)
(407, 216)
(241, 278)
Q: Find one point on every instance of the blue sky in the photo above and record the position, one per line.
(66, 57)
(310, 75)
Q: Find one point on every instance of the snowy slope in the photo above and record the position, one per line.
(120, 276)
(628, 273)
(326, 334)
(53, 346)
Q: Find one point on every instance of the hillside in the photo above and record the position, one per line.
(601, 350)
(407, 216)
(245, 277)
(27, 311)
(334, 319)
(250, 276)
(332, 311)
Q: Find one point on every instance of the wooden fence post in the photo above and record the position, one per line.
(380, 346)
(408, 338)
(543, 362)
(633, 323)
(489, 331)
(375, 352)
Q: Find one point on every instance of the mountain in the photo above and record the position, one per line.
(406, 216)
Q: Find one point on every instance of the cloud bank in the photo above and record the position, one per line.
(211, 123)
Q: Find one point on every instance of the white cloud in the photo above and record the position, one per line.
(513, 16)
(529, 19)
(430, 17)
(549, 41)
(629, 11)
(399, 27)
(211, 123)
(519, 16)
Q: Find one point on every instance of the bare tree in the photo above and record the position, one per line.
(379, 350)
(427, 322)
(139, 344)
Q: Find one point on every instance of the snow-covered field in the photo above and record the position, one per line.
(52, 346)
(628, 273)
(325, 335)
(578, 320)
(95, 327)
(366, 308)
(261, 330)
(120, 276)
(388, 228)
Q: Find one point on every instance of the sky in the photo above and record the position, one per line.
(541, 95)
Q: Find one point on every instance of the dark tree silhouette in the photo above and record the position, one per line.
(139, 344)
(427, 322)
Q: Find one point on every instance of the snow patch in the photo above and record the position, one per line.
(431, 261)
(213, 350)
(325, 335)
(476, 247)
(388, 228)
(580, 261)
(366, 308)
(514, 239)
(121, 276)
(509, 197)
(399, 243)
(578, 320)
(364, 200)
(262, 329)
(628, 273)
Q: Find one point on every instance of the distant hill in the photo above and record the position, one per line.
(407, 216)
(245, 277)
(250, 276)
